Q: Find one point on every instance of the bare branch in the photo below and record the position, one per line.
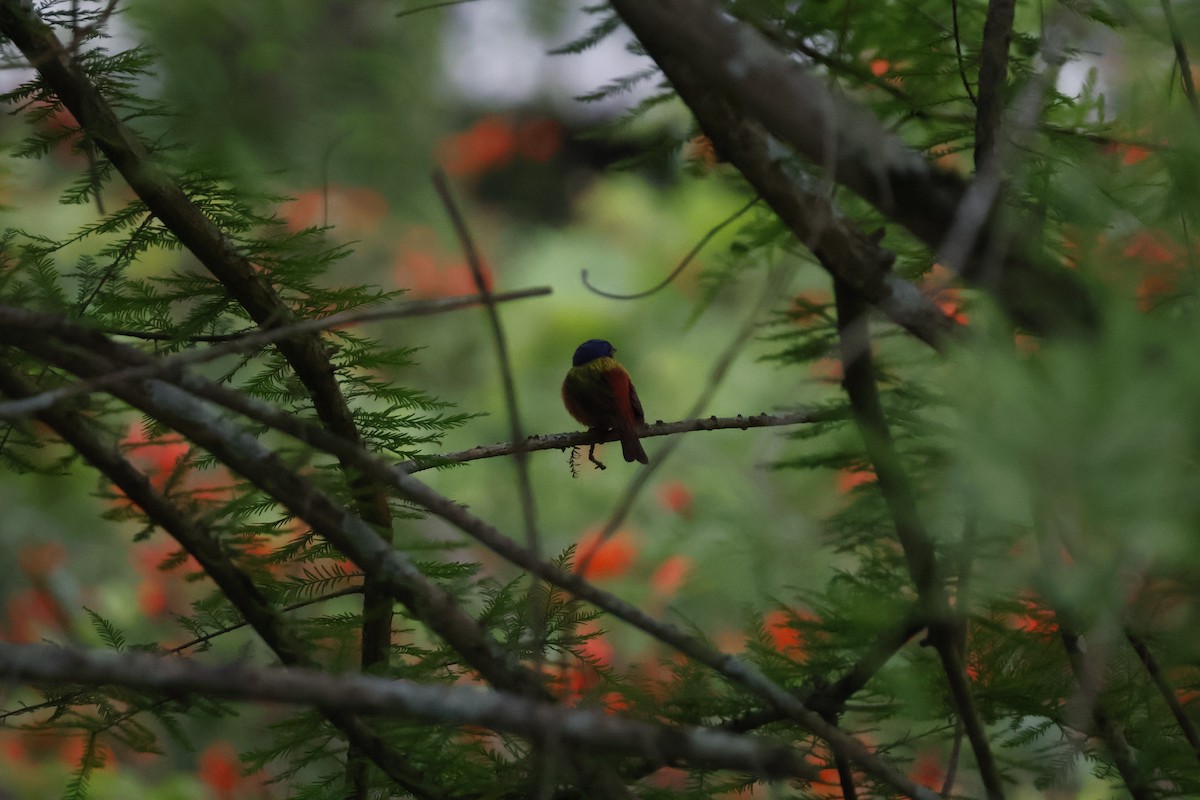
(743, 69)
(516, 429)
(1165, 690)
(245, 342)
(842, 249)
(993, 77)
(409, 308)
(561, 441)
(962, 70)
(441, 705)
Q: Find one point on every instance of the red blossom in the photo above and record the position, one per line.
(1152, 247)
(152, 597)
(30, 613)
(851, 478)
(158, 458)
(936, 287)
(675, 496)
(615, 702)
(218, 768)
(1130, 153)
(781, 628)
(420, 267)
(927, 771)
(488, 144)
(611, 558)
(40, 560)
(671, 575)
(807, 305)
(72, 748)
(1036, 619)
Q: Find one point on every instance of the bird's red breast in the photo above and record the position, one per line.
(600, 395)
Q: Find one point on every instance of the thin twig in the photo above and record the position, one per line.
(687, 259)
(962, 607)
(408, 12)
(516, 429)
(1087, 665)
(254, 339)
(512, 409)
(1181, 56)
(562, 441)
(1165, 690)
(962, 69)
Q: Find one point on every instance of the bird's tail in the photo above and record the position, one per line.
(631, 447)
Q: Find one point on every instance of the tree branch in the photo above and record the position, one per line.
(237, 587)
(428, 602)
(842, 249)
(742, 68)
(993, 77)
(442, 705)
(859, 381)
(516, 428)
(245, 342)
(1165, 690)
(561, 441)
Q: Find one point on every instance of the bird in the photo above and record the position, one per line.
(599, 394)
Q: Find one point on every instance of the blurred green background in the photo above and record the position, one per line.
(346, 107)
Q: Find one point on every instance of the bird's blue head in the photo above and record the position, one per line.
(590, 351)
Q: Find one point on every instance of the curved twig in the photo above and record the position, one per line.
(682, 264)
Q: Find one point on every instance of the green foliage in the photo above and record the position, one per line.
(1054, 485)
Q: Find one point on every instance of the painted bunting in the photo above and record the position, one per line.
(597, 392)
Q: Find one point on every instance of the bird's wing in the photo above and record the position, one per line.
(639, 416)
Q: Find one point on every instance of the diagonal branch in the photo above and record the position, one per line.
(200, 543)
(244, 454)
(1165, 689)
(167, 201)
(741, 68)
(428, 602)
(524, 486)
(842, 249)
(245, 342)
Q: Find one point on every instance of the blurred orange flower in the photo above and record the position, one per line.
(486, 145)
(671, 575)
(675, 496)
(596, 560)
